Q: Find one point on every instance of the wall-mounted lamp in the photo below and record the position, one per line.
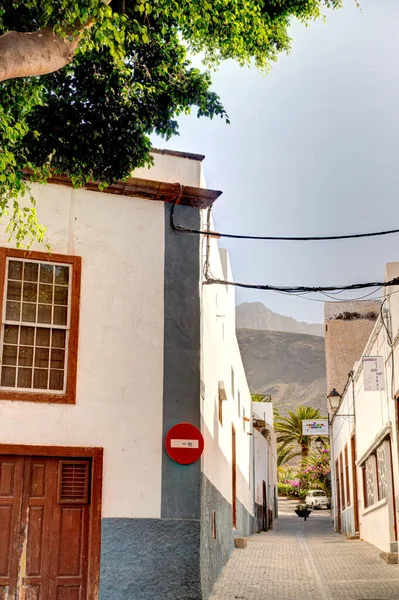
(334, 398)
(319, 443)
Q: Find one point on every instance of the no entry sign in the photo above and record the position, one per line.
(184, 443)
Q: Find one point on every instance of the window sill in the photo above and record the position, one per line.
(375, 506)
(49, 398)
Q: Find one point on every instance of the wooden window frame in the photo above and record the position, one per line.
(69, 397)
(348, 490)
(96, 456)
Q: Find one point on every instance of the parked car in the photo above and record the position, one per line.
(317, 499)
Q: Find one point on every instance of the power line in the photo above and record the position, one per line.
(303, 288)
(274, 238)
(295, 290)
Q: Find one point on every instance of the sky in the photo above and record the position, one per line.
(312, 149)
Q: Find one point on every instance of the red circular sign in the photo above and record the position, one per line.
(184, 443)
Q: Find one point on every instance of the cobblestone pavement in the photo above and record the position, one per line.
(306, 561)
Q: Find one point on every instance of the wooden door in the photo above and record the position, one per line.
(234, 476)
(44, 552)
(354, 482)
(338, 496)
(264, 507)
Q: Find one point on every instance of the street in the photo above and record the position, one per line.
(306, 561)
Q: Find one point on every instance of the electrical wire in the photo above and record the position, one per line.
(276, 288)
(304, 288)
(317, 238)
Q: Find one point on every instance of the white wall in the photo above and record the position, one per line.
(375, 414)
(120, 368)
(220, 353)
(173, 169)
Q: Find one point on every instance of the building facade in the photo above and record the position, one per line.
(364, 435)
(106, 344)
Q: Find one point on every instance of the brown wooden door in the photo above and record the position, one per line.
(354, 481)
(47, 518)
(338, 496)
(234, 475)
(264, 507)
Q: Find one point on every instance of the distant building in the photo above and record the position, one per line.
(364, 429)
(265, 466)
(106, 344)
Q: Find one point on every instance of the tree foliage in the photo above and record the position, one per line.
(128, 76)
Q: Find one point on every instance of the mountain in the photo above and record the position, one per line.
(288, 366)
(255, 315)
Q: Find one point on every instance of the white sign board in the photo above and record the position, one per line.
(315, 427)
(373, 373)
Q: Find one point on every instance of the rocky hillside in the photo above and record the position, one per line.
(289, 366)
(255, 315)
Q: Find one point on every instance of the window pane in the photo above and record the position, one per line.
(61, 295)
(10, 355)
(56, 380)
(13, 310)
(42, 337)
(42, 357)
(11, 334)
(15, 270)
(24, 378)
(8, 376)
(46, 294)
(58, 340)
(60, 315)
(30, 292)
(25, 358)
(46, 273)
(27, 336)
(62, 275)
(14, 290)
(44, 313)
(31, 271)
(40, 379)
(57, 359)
(28, 312)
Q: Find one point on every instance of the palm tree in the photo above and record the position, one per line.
(285, 454)
(289, 429)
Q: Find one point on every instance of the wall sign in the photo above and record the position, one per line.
(373, 373)
(315, 426)
(184, 443)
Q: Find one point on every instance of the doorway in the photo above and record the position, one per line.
(234, 476)
(50, 511)
(338, 497)
(264, 507)
(354, 483)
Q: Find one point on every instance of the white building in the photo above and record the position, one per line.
(265, 466)
(106, 344)
(364, 435)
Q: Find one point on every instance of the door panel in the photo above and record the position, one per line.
(11, 472)
(44, 528)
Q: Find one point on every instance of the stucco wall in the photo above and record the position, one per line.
(221, 355)
(375, 421)
(120, 368)
(347, 328)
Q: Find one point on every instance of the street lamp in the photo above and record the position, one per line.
(334, 398)
(319, 443)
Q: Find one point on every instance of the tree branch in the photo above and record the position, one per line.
(33, 54)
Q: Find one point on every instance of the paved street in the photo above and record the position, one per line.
(306, 561)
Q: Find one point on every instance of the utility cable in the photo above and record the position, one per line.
(303, 288)
(317, 238)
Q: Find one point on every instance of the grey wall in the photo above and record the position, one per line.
(181, 393)
(216, 552)
(150, 559)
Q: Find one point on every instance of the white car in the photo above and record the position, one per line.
(317, 499)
